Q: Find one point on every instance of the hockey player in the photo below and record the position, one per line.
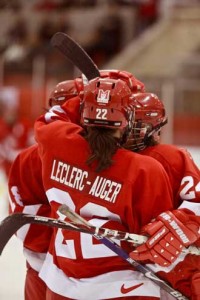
(61, 89)
(89, 171)
(31, 192)
(150, 117)
(27, 195)
(184, 175)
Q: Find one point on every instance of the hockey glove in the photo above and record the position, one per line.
(168, 234)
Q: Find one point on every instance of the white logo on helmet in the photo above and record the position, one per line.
(103, 96)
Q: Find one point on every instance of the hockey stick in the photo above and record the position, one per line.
(73, 216)
(12, 223)
(76, 54)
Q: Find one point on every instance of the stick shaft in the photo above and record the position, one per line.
(13, 222)
(123, 254)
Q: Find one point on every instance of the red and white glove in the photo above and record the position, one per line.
(168, 234)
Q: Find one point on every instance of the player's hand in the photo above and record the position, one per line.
(168, 234)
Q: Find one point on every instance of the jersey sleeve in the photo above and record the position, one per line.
(72, 108)
(183, 174)
(189, 189)
(49, 124)
(27, 195)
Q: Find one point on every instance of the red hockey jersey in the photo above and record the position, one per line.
(184, 177)
(126, 196)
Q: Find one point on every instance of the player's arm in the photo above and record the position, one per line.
(189, 190)
(68, 112)
(25, 181)
(27, 195)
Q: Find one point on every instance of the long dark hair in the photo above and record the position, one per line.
(103, 145)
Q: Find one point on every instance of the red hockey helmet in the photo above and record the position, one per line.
(150, 116)
(133, 83)
(107, 103)
(65, 90)
(70, 88)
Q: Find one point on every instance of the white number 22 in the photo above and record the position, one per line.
(101, 113)
(66, 248)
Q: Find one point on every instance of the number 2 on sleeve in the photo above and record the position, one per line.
(188, 191)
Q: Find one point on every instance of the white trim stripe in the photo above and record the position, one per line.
(105, 286)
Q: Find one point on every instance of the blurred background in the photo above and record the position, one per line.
(156, 40)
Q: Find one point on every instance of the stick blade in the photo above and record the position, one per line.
(76, 54)
(9, 226)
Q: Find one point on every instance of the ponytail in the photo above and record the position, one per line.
(103, 146)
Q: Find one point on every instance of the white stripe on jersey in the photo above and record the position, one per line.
(105, 286)
(34, 259)
(193, 206)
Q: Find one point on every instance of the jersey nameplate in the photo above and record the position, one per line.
(79, 179)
